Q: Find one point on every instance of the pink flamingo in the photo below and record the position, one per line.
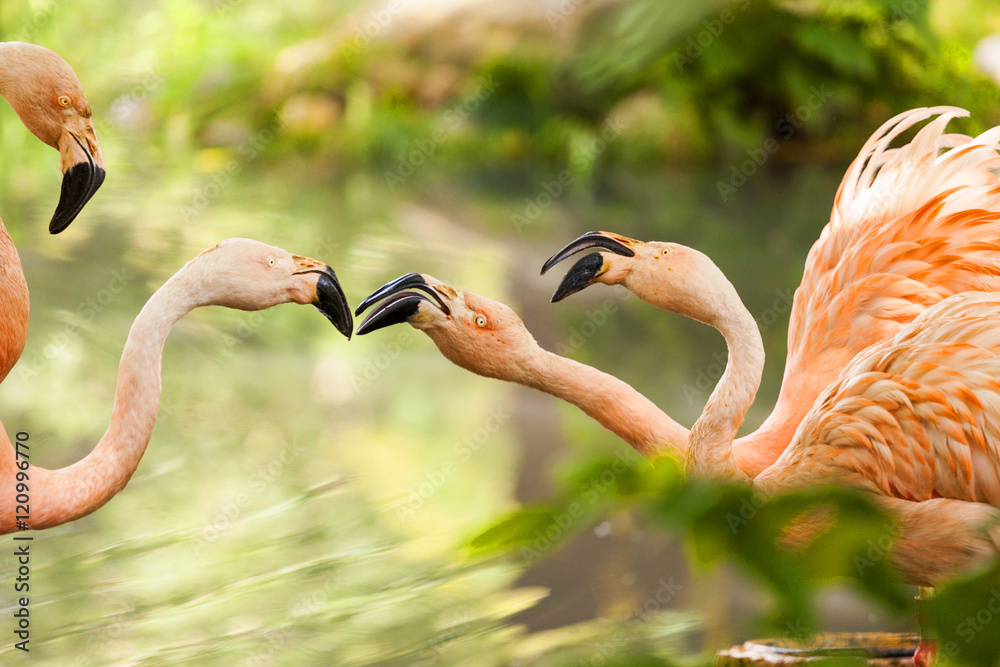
(934, 469)
(910, 226)
(914, 419)
(238, 273)
(45, 92)
(488, 338)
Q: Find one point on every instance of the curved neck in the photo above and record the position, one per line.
(613, 403)
(710, 450)
(66, 494)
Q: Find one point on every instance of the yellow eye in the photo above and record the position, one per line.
(480, 321)
(271, 261)
(64, 101)
(666, 251)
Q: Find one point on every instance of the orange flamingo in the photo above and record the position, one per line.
(238, 273)
(914, 420)
(910, 226)
(45, 92)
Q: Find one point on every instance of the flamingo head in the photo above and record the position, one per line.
(47, 95)
(250, 275)
(476, 333)
(666, 275)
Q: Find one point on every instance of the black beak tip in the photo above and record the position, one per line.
(579, 276)
(395, 310)
(410, 280)
(80, 182)
(333, 303)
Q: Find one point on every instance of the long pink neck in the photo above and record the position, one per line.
(613, 403)
(66, 494)
(13, 305)
(710, 451)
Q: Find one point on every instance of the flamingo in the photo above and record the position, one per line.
(45, 92)
(910, 226)
(486, 337)
(929, 471)
(913, 420)
(238, 273)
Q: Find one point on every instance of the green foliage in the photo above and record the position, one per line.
(690, 79)
(793, 544)
(966, 615)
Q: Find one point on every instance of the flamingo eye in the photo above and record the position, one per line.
(64, 101)
(271, 261)
(480, 321)
(666, 251)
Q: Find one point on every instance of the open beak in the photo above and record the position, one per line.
(399, 305)
(590, 267)
(329, 298)
(83, 172)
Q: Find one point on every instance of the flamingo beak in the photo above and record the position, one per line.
(399, 305)
(83, 171)
(616, 243)
(329, 298)
(588, 269)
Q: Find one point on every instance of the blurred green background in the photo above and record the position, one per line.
(304, 500)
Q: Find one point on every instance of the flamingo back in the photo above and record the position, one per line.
(915, 417)
(910, 227)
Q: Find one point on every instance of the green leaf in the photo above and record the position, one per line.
(516, 529)
(966, 615)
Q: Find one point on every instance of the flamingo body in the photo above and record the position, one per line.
(910, 226)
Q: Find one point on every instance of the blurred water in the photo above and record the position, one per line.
(291, 507)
